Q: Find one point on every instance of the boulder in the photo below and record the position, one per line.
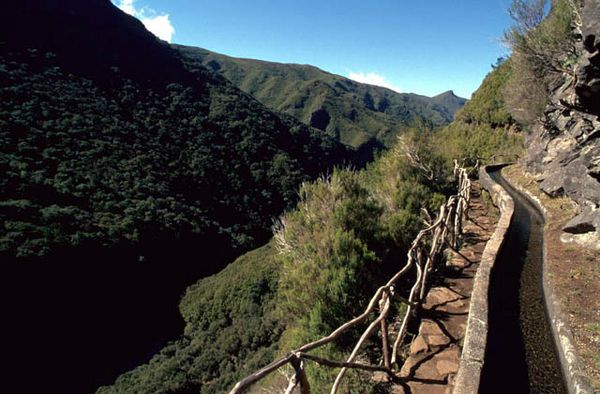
(590, 23)
(587, 70)
(587, 221)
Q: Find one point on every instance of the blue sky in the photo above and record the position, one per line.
(418, 46)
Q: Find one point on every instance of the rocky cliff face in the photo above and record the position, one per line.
(563, 149)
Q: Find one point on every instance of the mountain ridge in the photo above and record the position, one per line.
(360, 114)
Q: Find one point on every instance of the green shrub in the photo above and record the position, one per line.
(542, 52)
(327, 253)
(349, 232)
(230, 332)
(487, 105)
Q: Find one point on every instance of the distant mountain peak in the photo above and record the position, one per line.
(448, 93)
(450, 101)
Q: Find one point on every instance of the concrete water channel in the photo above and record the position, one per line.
(521, 355)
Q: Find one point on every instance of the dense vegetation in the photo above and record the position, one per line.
(543, 51)
(347, 234)
(99, 158)
(361, 115)
(231, 330)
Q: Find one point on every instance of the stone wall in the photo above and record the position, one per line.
(473, 352)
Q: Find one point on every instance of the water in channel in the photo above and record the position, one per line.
(521, 355)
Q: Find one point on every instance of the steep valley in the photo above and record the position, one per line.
(173, 219)
(129, 173)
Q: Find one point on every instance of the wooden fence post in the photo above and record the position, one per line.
(299, 377)
(384, 333)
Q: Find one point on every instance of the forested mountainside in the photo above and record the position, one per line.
(483, 129)
(113, 141)
(126, 174)
(361, 115)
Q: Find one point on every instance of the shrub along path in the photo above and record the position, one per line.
(434, 354)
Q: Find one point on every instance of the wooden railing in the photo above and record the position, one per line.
(425, 252)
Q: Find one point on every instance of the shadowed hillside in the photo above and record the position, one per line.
(105, 126)
(126, 175)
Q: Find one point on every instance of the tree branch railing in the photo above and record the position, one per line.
(425, 252)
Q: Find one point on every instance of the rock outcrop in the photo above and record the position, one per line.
(563, 149)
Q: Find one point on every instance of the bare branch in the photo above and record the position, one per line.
(414, 158)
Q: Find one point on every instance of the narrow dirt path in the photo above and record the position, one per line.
(434, 354)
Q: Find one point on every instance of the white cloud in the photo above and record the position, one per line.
(372, 79)
(126, 6)
(159, 25)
